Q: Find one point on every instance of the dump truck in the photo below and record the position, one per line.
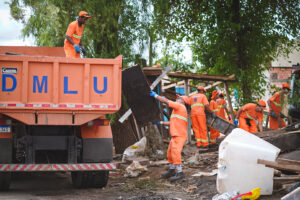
(53, 114)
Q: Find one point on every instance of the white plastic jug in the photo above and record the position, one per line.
(237, 165)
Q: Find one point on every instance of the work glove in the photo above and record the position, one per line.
(236, 122)
(214, 115)
(273, 114)
(77, 49)
(153, 94)
(158, 123)
(83, 51)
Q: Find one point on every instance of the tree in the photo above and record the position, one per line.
(233, 36)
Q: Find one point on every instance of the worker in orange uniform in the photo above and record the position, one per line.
(249, 113)
(199, 104)
(178, 131)
(72, 43)
(222, 105)
(275, 104)
(214, 134)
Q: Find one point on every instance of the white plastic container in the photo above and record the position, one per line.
(237, 166)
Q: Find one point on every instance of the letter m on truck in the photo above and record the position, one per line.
(52, 114)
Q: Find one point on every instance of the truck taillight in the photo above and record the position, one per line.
(98, 122)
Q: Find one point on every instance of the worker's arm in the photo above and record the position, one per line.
(238, 113)
(159, 98)
(208, 109)
(227, 112)
(260, 126)
(272, 113)
(70, 40)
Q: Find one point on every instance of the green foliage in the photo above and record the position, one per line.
(233, 36)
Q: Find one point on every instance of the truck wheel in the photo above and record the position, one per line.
(79, 179)
(5, 178)
(93, 179)
(100, 179)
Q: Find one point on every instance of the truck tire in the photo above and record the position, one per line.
(5, 158)
(5, 178)
(100, 179)
(94, 179)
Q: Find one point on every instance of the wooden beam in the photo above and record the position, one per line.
(287, 179)
(206, 77)
(275, 165)
(189, 126)
(229, 100)
(287, 161)
(172, 85)
(208, 87)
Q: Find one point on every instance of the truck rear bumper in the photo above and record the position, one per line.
(57, 167)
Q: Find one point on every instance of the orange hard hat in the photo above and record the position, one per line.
(84, 14)
(262, 103)
(201, 88)
(214, 93)
(286, 85)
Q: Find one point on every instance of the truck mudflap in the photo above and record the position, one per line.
(58, 167)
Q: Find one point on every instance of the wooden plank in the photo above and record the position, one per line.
(229, 101)
(136, 90)
(287, 179)
(196, 76)
(275, 165)
(189, 125)
(208, 87)
(287, 161)
(153, 85)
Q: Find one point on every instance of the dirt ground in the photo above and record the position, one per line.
(148, 186)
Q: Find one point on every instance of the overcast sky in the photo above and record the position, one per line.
(11, 30)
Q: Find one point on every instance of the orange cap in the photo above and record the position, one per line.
(262, 103)
(84, 14)
(286, 85)
(201, 88)
(214, 93)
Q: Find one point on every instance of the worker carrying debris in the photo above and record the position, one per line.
(222, 105)
(247, 115)
(178, 131)
(275, 104)
(214, 134)
(199, 104)
(72, 43)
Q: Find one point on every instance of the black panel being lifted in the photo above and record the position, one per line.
(136, 91)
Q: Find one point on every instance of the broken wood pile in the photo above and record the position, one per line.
(288, 171)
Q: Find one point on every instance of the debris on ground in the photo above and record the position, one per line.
(135, 149)
(135, 169)
(212, 173)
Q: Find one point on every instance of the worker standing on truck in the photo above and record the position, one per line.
(214, 134)
(72, 43)
(222, 105)
(199, 104)
(249, 113)
(178, 132)
(275, 105)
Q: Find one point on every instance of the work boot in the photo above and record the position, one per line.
(168, 174)
(178, 176)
